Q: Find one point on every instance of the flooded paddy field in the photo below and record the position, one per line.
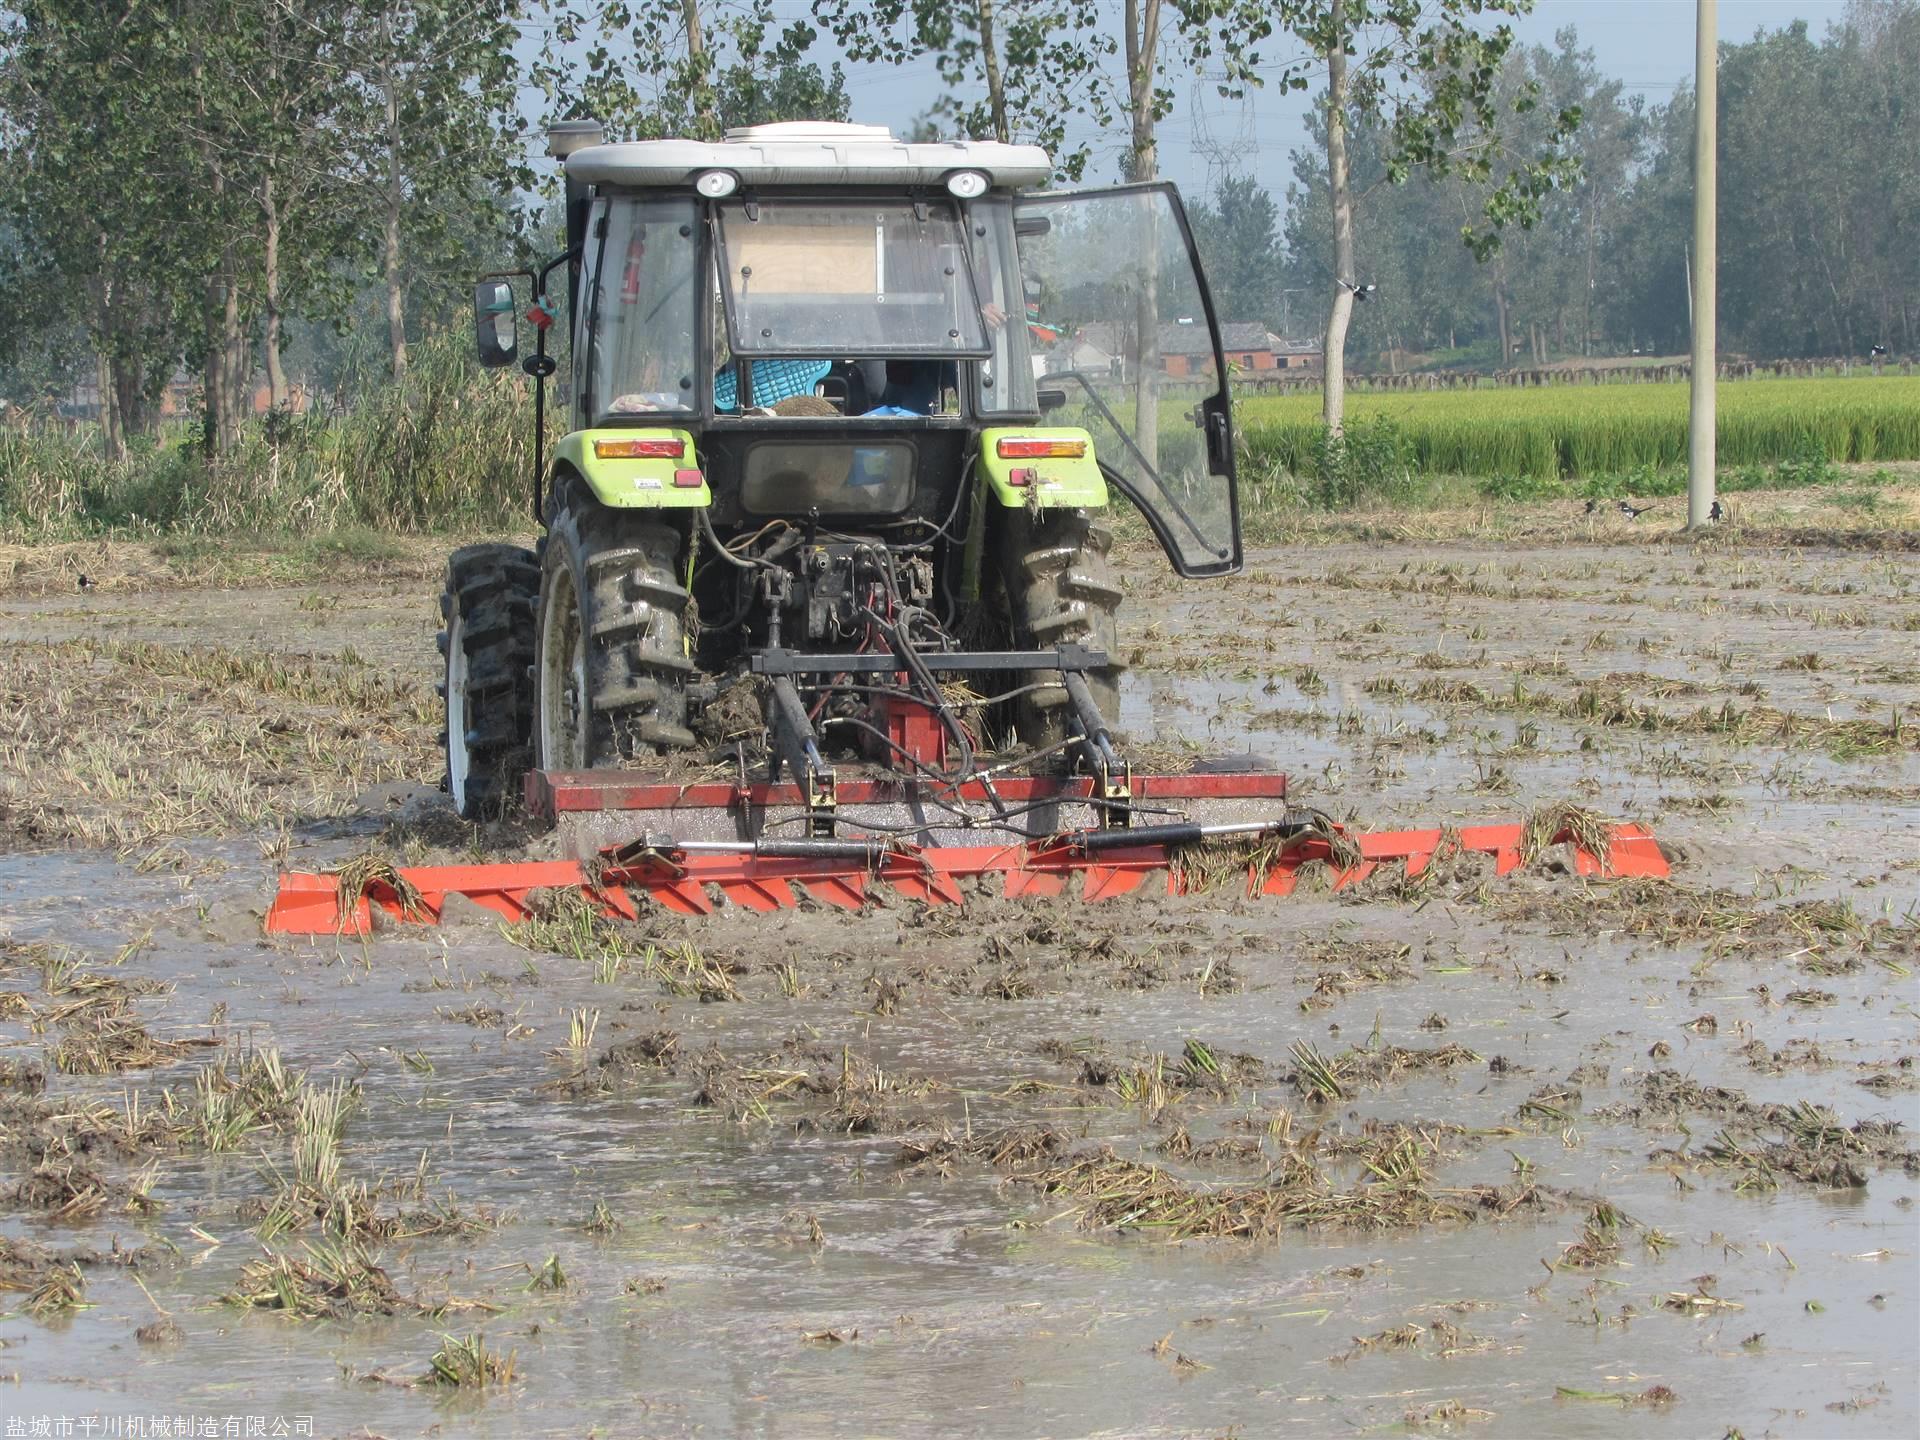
(1472, 1156)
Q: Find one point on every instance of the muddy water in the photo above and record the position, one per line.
(981, 1307)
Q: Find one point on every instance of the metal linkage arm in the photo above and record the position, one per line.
(795, 746)
(1112, 775)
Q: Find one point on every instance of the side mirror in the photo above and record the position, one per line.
(1051, 398)
(495, 330)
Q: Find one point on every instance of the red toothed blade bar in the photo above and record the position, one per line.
(697, 879)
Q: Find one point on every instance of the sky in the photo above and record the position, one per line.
(1648, 44)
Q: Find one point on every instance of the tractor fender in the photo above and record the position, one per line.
(635, 481)
(1052, 482)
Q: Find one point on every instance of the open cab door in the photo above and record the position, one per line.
(1125, 339)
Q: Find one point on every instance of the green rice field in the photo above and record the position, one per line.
(1577, 430)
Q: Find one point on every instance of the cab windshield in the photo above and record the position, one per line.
(875, 277)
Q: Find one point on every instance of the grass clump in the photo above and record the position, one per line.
(840, 1091)
(548, 1277)
(1599, 1244)
(1352, 965)
(466, 1363)
(60, 1290)
(376, 877)
(1553, 824)
(327, 1282)
(1392, 1184)
(109, 1044)
(1323, 1079)
(1314, 1075)
(1116, 1193)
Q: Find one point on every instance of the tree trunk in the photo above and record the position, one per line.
(121, 373)
(1502, 315)
(1143, 164)
(213, 374)
(990, 59)
(113, 434)
(276, 375)
(396, 293)
(1586, 321)
(700, 100)
(213, 369)
(236, 368)
(221, 308)
(696, 35)
(1333, 407)
(128, 385)
(395, 197)
(1143, 44)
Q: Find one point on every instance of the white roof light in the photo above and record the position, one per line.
(717, 184)
(966, 184)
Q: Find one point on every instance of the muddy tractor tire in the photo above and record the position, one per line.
(612, 670)
(1060, 588)
(488, 609)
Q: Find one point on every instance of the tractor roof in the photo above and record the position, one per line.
(806, 152)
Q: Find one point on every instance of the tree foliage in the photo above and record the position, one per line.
(1237, 232)
(1426, 77)
(197, 170)
(1027, 69)
(1819, 212)
(688, 67)
(94, 189)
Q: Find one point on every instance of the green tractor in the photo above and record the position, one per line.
(847, 419)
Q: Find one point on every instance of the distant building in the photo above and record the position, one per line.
(1250, 348)
(1185, 349)
(179, 399)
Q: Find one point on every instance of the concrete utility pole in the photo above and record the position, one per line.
(1700, 436)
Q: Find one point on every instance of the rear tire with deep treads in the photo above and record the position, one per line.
(613, 665)
(1060, 588)
(488, 608)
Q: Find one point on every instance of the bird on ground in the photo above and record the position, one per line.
(1628, 509)
(1718, 511)
(1878, 351)
(86, 582)
(1593, 507)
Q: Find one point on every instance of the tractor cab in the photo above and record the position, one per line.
(843, 323)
